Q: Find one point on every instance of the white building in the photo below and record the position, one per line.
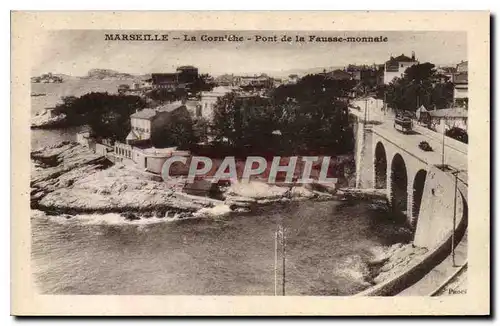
(446, 119)
(395, 67)
(208, 100)
(145, 123)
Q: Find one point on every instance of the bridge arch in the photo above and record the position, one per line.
(418, 190)
(399, 184)
(380, 166)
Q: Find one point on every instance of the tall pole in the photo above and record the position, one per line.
(454, 220)
(284, 257)
(276, 263)
(366, 104)
(385, 102)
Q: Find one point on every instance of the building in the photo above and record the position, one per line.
(448, 118)
(461, 85)
(149, 159)
(187, 74)
(293, 79)
(462, 67)
(193, 106)
(168, 81)
(146, 83)
(208, 100)
(83, 138)
(145, 123)
(396, 66)
(227, 80)
(369, 75)
(184, 76)
(261, 80)
(338, 74)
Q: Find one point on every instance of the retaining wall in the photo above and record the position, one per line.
(440, 218)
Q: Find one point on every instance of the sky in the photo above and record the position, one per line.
(75, 52)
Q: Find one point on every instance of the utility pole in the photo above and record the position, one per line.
(284, 259)
(366, 109)
(276, 263)
(385, 102)
(280, 233)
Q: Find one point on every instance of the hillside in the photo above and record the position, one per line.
(107, 74)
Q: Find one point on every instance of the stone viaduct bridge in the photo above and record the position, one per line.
(417, 183)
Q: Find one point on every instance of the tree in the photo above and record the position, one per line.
(311, 115)
(164, 95)
(107, 115)
(243, 121)
(201, 129)
(420, 85)
(203, 83)
(458, 134)
(177, 131)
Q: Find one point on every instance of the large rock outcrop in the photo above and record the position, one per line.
(70, 178)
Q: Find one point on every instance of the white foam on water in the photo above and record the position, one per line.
(115, 219)
(378, 252)
(354, 269)
(216, 211)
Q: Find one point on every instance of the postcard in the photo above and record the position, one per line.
(250, 163)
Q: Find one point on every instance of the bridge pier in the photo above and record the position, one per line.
(365, 172)
(414, 185)
(409, 203)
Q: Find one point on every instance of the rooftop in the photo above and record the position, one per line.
(151, 113)
(170, 107)
(186, 68)
(401, 58)
(144, 114)
(219, 91)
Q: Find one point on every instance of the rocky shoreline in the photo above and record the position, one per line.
(70, 179)
(391, 261)
(45, 120)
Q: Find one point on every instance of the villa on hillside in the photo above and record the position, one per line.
(396, 66)
(145, 123)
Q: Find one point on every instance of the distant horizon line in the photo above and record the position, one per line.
(269, 72)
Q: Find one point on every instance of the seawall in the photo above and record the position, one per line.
(435, 226)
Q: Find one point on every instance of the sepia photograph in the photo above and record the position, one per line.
(237, 162)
